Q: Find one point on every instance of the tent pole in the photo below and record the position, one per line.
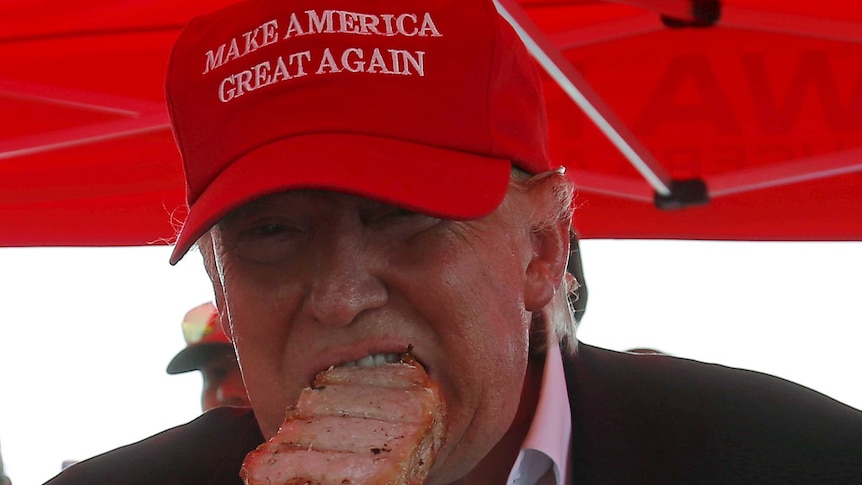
(582, 94)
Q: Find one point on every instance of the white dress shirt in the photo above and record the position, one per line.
(544, 455)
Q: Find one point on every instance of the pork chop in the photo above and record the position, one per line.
(378, 425)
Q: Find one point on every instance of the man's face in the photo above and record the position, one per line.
(222, 382)
(312, 279)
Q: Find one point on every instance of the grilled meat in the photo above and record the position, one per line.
(377, 425)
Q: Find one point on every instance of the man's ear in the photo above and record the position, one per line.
(547, 267)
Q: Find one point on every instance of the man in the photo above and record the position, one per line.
(367, 177)
(209, 350)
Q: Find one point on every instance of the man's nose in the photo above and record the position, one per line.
(344, 279)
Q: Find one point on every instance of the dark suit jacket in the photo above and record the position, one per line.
(659, 419)
(648, 419)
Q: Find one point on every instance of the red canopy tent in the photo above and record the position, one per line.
(710, 119)
(705, 119)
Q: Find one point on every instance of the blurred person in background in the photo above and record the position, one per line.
(4, 480)
(210, 351)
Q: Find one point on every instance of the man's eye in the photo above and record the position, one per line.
(390, 215)
(266, 242)
(396, 214)
(400, 223)
(268, 230)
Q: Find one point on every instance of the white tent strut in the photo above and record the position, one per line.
(564, 74)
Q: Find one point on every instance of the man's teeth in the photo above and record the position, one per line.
(373, 360)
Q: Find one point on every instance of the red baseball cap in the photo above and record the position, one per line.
(204, 338)
(423, 104)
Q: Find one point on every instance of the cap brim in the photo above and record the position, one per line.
(194, 357)
(436, 181)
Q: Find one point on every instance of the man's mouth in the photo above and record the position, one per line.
(373, 360)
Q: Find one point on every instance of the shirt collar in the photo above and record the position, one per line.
(548, 439)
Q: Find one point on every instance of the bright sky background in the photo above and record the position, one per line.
(86, 334)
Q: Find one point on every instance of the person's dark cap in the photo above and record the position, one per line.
(204, 338)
